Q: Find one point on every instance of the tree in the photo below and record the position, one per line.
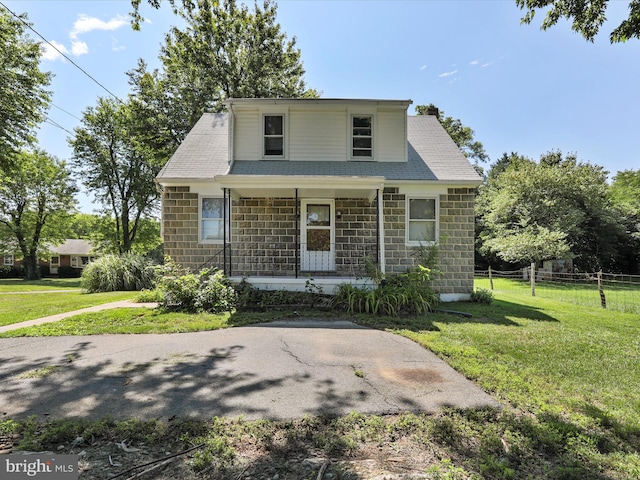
(625, 194)
(102, 232)
(23, 96)
(462, 136)
(118, 165)
(37, 195)
(587, 16)
(224, 51)
(557, 208)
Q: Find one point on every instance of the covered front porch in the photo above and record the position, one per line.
(297, 229)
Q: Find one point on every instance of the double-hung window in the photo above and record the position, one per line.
(362, 137)
(422, 221)
(212, 218)
(273, 136)
(8, 260)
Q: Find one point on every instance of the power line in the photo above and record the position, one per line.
(68, 113)
(61, 53)
(55, 124)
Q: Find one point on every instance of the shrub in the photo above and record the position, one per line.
(112, 273)
(250, 297)
(208, 291)
(482, 296)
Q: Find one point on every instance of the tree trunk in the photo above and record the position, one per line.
(31, 269)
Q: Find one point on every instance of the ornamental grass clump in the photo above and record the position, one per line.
(111, 273)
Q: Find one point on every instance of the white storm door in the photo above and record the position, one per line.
(317, 248)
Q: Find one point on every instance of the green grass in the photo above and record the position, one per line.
(16, 308)
(623, 297)
(567, 376)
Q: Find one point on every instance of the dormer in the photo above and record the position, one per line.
(324, 129)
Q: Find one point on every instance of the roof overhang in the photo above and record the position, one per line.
(307, 186)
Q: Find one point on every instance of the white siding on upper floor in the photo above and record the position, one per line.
(321, 134)
(318, 135)
(391, 136)
(247, 136)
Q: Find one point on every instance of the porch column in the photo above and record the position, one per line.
(383, 262)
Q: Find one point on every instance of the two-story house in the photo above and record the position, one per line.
(278, 191)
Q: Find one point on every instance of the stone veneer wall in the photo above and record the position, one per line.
(264, 236)
(180, 228)
(456, 248)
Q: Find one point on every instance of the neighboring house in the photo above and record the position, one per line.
(75, 253)
(279, 191)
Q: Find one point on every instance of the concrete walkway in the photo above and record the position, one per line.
(60, 316)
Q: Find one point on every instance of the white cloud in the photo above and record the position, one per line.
(423, 67)
(115, 45)
(474, 62)
(79, 48)
(484, 65)
(448, 74)
(86, 24)
(50, 53)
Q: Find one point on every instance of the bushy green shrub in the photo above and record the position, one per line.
(482, 296)
(111, 273)
(207, 291)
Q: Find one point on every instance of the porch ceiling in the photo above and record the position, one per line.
(255, 186)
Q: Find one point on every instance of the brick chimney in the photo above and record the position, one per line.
(433, 110)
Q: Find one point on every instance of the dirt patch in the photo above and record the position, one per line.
(411, 376)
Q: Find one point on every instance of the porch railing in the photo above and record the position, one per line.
(291, 260)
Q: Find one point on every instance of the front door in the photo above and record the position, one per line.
(317, 236)
(54, 263)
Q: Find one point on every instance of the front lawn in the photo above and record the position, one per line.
(19, 307)
(567, 376)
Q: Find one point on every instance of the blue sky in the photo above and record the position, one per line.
(519, 88)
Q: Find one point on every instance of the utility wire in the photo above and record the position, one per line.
(68, 113)
(55, 124)
(60, 52)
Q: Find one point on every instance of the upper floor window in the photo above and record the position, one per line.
(362, 136)
(212, 213)
(8, 260)
(422, 221)
(274, 135)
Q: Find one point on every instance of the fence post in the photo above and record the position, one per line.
(490, 278)
(603, 299)
(533, 279)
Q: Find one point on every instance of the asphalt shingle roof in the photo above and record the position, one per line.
(432, 155)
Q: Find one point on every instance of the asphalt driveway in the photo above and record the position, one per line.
(279, 370)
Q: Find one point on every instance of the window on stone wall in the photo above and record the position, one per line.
(211, 219)
(422, 221)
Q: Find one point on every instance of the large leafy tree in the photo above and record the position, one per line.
(586, 17)
(24, 98)
(463, 136)
(117, 164)
(37, 195)
(102, 232)
(625, 194)
(225, 50)
(556, 208)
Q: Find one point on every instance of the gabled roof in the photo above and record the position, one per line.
(432, 156)
(72, 246)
